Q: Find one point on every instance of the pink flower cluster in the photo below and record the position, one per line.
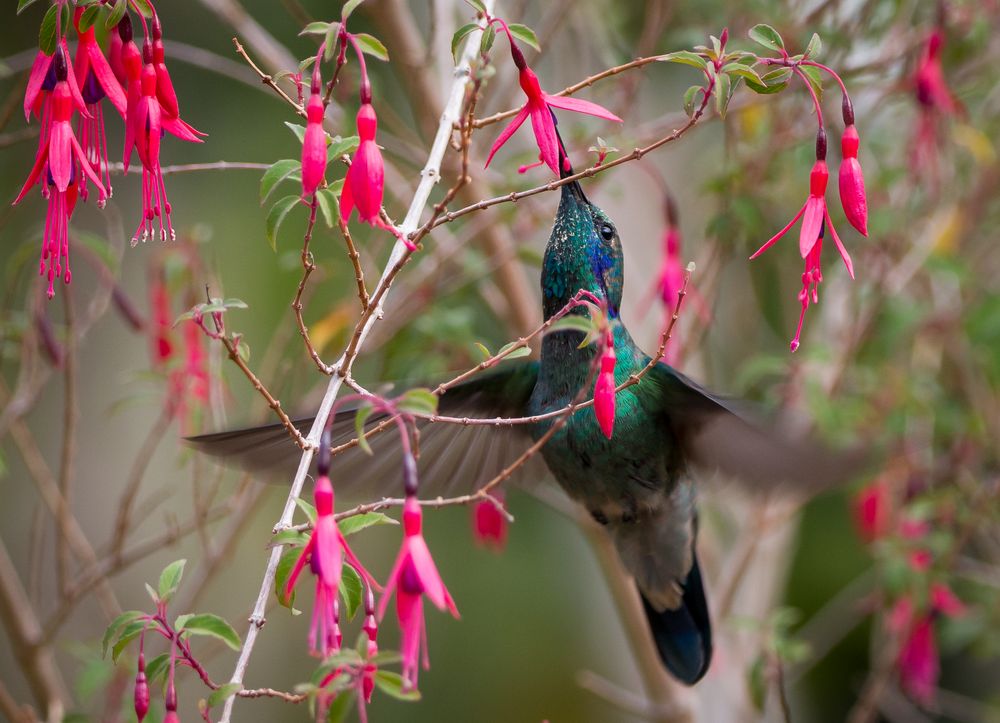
(138, 86)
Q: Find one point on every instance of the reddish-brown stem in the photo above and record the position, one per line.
(308, 266)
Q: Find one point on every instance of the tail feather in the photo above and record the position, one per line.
(683, 636)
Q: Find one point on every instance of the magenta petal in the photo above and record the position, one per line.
(85, 165)
(507, 132)
(328, 553)
(74, 88)
(101, 69)
(604, 403)
(812, 223)
(36, 172)
(578, 105)
(314, 158)
(39, 69)
(356, 563)
(840, 246)
(165, 91)
(771, 241)
(297, 568)
(346, 201)
(545, 136)
(177, 127)
(61, 154)
(852, 194)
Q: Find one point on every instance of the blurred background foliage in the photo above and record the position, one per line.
(906, 357)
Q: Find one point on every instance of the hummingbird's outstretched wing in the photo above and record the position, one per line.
(454, 458)
(727, 436)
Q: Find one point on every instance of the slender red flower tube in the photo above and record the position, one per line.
(314, 151)
(852, 181)
(604, 388)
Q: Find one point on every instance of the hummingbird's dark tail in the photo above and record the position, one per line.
(683, 636)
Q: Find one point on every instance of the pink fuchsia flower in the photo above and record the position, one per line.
(944, 601)
(165, 94)
(873, 510)
(413, 576)
(490, 523)
(919, 662)
(815, 221)
(370, 629)
(325, 551)
(162, 344)
(852, 181)
(140, 696)
(42, 80)
(314, 151)
(97, 81)
(604, 387)
(538, 108)
(365, 181)
(929, 82)
(59, 158)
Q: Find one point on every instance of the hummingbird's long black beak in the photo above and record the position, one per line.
(571, 190)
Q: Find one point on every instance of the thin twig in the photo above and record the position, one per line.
(268, 80)
(308, 266)
(71, 413)
(355, 257)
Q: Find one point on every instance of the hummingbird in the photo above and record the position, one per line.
(639, 484)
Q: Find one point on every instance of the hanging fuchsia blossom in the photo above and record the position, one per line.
(918, 661)
(852, 181)
(873, 510)
(97, 81)
(604, 388)
(365, 182)
(413, 576)
(140, 696)
(58, 159)
(490, 523)
(538, 108)
(815, 221)
(325, 553)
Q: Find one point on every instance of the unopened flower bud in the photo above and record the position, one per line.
(604, 388)
(821, 144)
(314, 152)
(852, 182)
(141, 696)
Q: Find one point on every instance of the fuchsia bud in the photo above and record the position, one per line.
(314, 153)
(141, 696)
(490, 524)
(852, 182)
(604, 388)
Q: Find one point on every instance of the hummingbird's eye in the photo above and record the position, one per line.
(607, 231)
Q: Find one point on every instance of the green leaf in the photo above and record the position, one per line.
(349, 7)
(773, 82)
(516, 353)
(392, 685)
(573, 322)
(295, 538)
(157, 668)
(129, 633)
(690, 96)
(370, 45)
(22, 4)
(460, 34)
(350, 525)
(152, 593)
(243, 349)
(213, 626)
(233, 303)
(484, 352)
(767, 36)
(89, 17)
(298, 130)
(289, 168)
(285, 564)
(478, 5)
(364, 411)
(181, 620)
(486, 42)
(223, 693)
(47, 30)
(144, 8)
(116, 625)
(339, 146)
(327, 202)
(685, 57)
(121, 6)
(340, 707)
(524, 34)
(815, 79)
(275, 217)
(170, 578)
(814, 48)
(351, 590)
(307, 508)
(742, 71)
(418, 401)
(723, 90)
(330, 41)
(315, 28)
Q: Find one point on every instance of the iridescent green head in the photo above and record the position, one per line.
(583, 252)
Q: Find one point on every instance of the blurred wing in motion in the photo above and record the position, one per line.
(454, 459)
(725, 436)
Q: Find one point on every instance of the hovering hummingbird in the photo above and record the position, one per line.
(637, 484)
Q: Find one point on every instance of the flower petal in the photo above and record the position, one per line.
(85, 165)
(101, 69)
(61, 154)
(36, 172)
(578, 105)
(39, 69)
(812, 223)
(506, 133)
(545, 135)
(840, 246)
(771, 241)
